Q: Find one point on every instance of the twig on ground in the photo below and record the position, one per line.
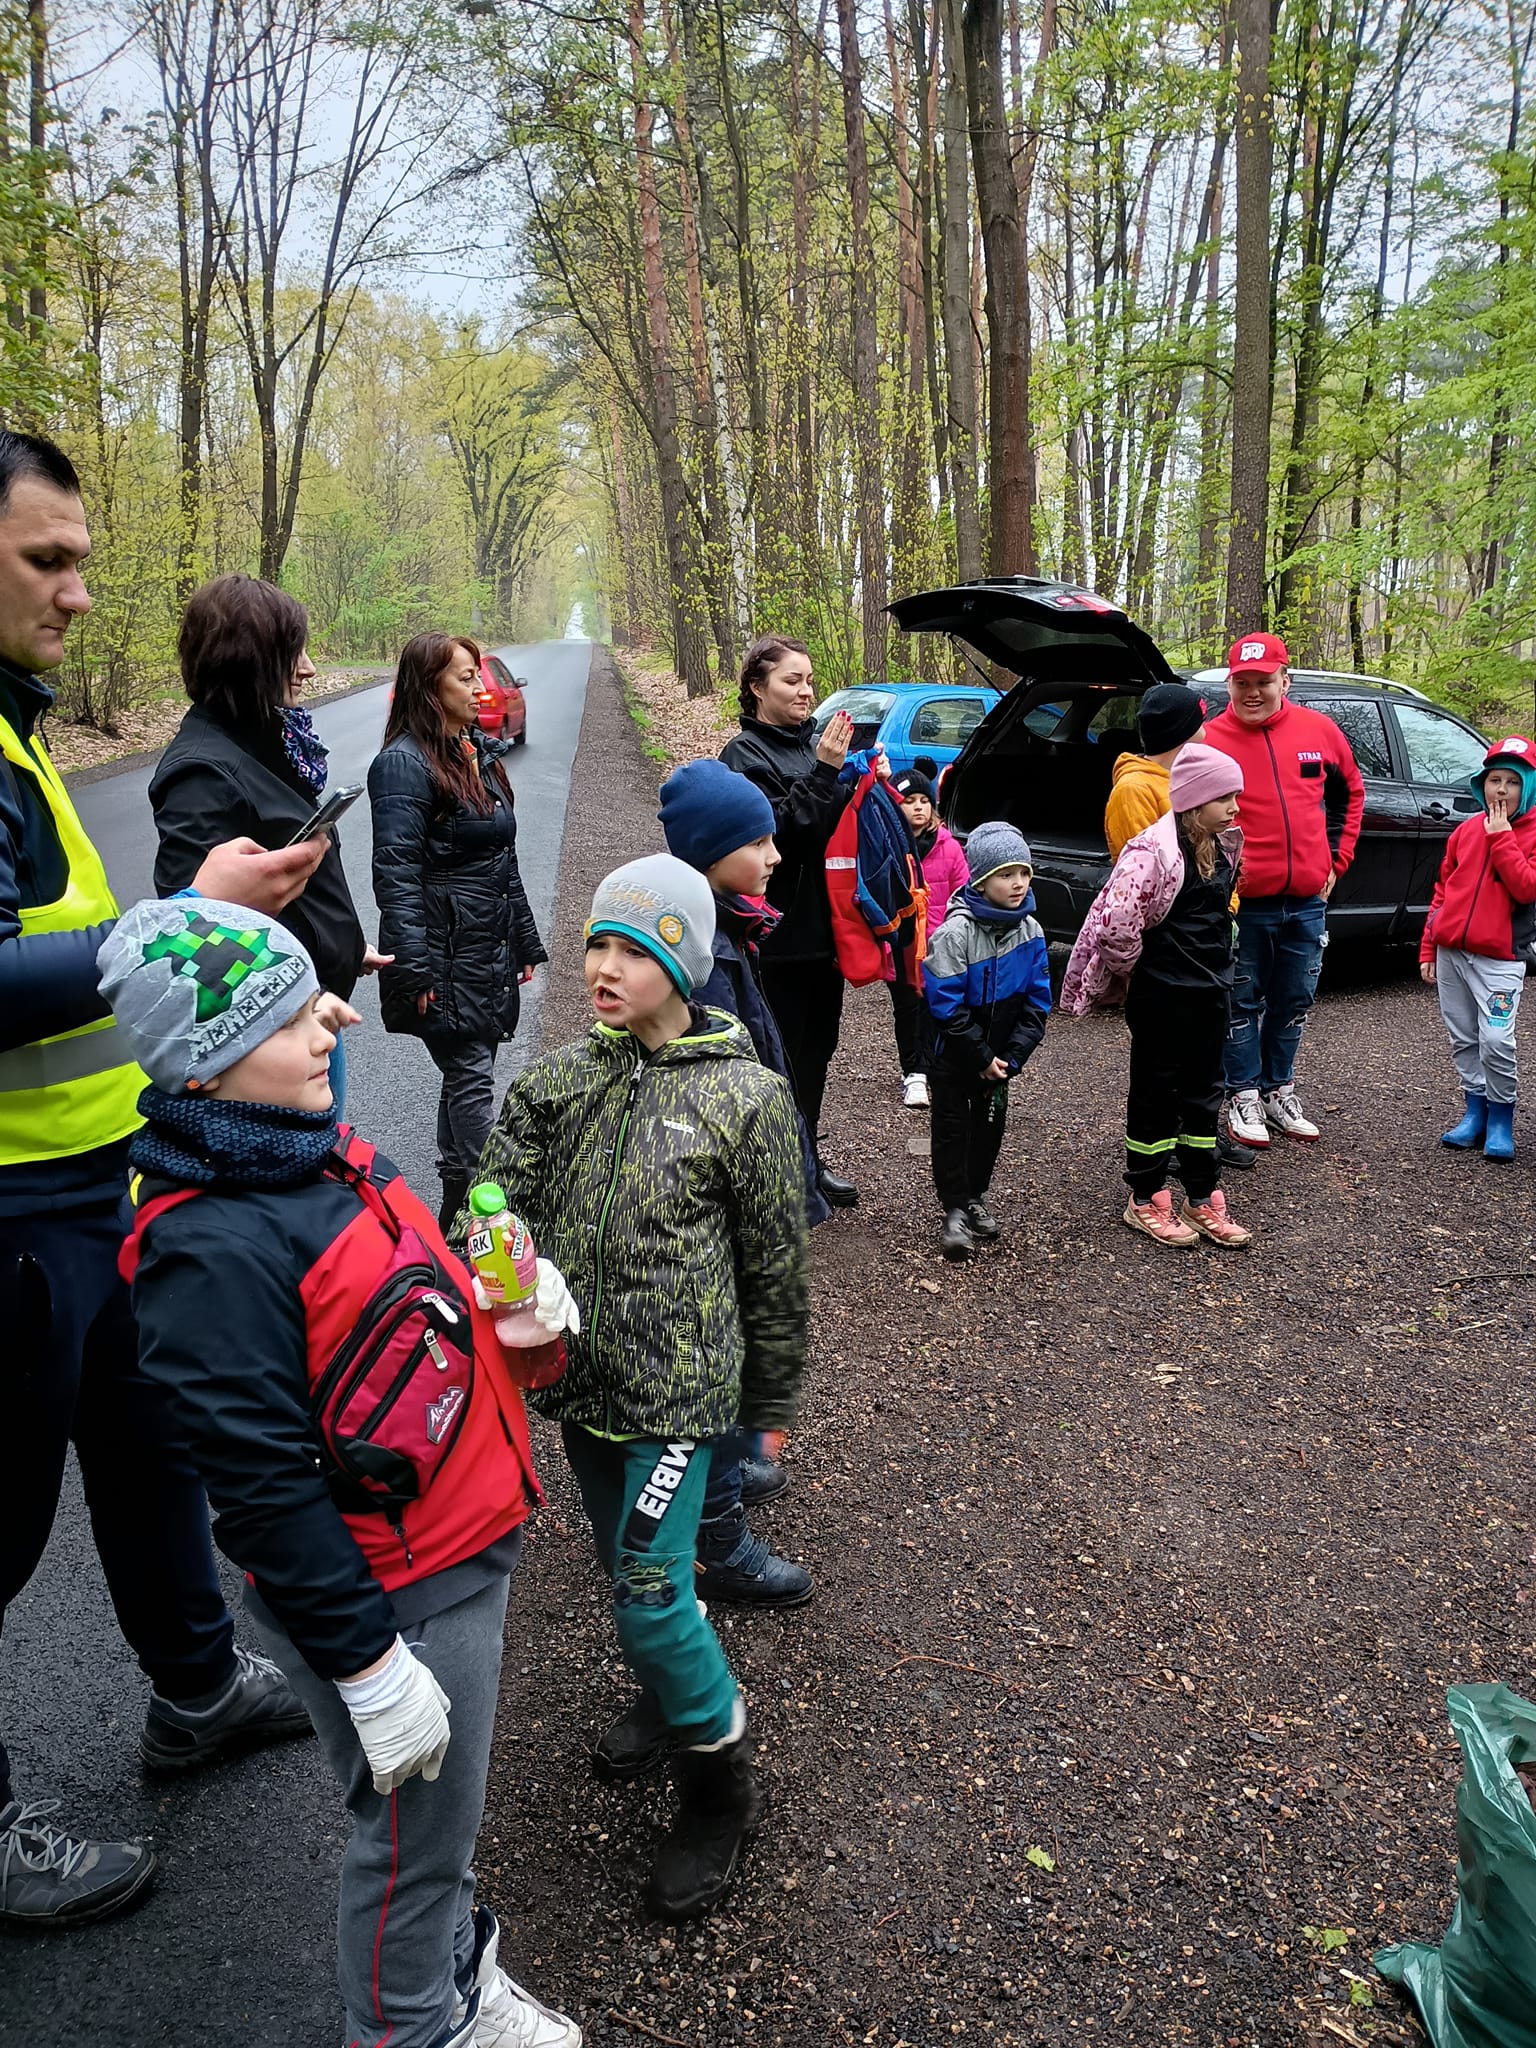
(1466, 1279)
(949, 1664)
(639, 2027)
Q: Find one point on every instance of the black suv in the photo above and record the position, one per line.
(1044, 756)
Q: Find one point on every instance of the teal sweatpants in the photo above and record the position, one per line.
(643, 1500)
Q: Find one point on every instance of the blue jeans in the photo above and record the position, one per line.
(726, 1454)
(1280, 943)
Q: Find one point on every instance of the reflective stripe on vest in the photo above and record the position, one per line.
(73, 1092)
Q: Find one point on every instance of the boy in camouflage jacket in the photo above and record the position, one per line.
(658, 1164)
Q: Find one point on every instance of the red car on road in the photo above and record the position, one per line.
(503, 711)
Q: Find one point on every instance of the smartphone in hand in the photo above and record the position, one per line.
(327, 811)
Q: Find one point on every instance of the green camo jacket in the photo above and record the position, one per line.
(668, 1189)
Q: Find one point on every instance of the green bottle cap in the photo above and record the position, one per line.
(486, 1199)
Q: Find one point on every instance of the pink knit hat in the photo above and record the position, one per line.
(1199, 776)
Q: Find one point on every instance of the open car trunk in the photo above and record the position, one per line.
(1043, 759)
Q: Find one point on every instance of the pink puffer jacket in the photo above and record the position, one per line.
(1148, 876)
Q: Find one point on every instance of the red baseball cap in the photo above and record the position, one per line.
(1258, 654)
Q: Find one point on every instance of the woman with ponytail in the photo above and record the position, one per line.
(452, 908)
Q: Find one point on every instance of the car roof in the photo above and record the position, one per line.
(1337, 682)
(909, 689)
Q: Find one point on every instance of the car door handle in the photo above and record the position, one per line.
(1438, 812)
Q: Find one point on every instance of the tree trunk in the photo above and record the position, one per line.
(955, 288)
(1247, 547)
(37, 139)
(1010, 465)
(925, 101)
(869, 490)
(689, 648)
(909, 512)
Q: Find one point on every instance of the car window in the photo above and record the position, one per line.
(1044, 719)
(1116, 714)
(502, 673)
(947, 721)
(1439, 750)
(864, 707)
(1363, 726)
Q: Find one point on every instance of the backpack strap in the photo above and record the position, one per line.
(351, 1161)
(133, 1243)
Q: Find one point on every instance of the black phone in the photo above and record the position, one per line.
(325, 814)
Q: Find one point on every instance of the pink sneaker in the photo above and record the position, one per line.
(1212, 1221)
(1155, 1219)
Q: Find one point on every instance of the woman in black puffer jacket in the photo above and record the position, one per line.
(797, 769)
(452, 909)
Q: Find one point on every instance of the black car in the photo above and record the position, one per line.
(1043, 758)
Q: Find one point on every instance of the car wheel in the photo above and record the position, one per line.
(520, 739)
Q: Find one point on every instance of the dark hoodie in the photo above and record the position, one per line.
(807, 800)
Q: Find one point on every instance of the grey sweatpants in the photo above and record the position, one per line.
(1480, 1000)
(405, 1918)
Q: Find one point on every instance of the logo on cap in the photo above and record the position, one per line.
(671, 929)
(216, 958)
(1252, 650)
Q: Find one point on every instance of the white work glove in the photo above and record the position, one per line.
(554, 1306)
(401, 1716)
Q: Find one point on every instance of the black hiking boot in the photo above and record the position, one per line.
(836, 1192)
(719, 1807)
(958, 1240)
(455, 1194)
(636, 1741)
(984, 1225)
(739, 1568)
(761, 1479)
(256, 1706)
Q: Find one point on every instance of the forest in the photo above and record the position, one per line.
(1227, 311)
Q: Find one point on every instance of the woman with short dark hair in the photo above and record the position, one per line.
(246, 760)
(452, 909)
(779, 749)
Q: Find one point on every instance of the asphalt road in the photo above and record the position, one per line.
(236, 1941)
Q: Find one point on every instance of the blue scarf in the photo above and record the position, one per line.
(199, 1142)
(986, 912)
(301, 743)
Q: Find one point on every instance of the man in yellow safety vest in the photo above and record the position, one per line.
(68, 1095)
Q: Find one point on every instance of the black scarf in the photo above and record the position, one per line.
(200, 1142)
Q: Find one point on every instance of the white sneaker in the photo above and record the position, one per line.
(511, 2017)
(1245, 1119)
(1284, 1113)
(914, 1091)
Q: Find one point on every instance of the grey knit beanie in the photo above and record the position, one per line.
(996, 845)
(196, 984)
(665, 906)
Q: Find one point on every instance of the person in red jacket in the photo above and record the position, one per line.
(274, 1258)
(1482, 919)
(1300, 817)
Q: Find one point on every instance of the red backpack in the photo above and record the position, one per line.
(390, 1383)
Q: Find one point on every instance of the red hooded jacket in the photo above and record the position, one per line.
(1482, 901)
(1299, 777)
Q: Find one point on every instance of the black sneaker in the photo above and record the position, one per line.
(984, 1225)
(636, 1741)
(836, 1192)
(958, 1240)
(761, 1479)
(719, 1807)
(256, 1707)
(739, 1568)
(1230, 1153)
(50, 1879)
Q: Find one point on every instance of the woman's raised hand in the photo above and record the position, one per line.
(832, 747)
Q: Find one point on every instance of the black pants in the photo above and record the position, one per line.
(914, 1027)
(1178, 1045)
(69, 1372)
(806, 998)
(967, 1122)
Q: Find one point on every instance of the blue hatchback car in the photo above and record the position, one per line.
(908, 719)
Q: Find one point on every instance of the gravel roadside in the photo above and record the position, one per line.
(1141, 1576)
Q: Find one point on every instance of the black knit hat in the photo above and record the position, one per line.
(1169, 715)
(910, 783)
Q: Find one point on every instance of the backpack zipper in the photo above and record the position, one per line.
(386, 1299)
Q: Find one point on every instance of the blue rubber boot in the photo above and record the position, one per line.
(1473, 1127)
(1501, 1131)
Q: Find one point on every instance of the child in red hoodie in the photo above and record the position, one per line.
(1481, 923)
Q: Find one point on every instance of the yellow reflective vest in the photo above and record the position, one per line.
(72, 1093)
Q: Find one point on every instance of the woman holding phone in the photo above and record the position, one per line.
(452, 908)
(247, 760)
(779, 749)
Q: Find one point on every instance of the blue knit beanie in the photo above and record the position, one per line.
(996, 845)
(708, 810)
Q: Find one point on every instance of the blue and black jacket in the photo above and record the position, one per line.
(987, 979)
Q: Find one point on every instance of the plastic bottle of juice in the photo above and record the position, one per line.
(503, 1255)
